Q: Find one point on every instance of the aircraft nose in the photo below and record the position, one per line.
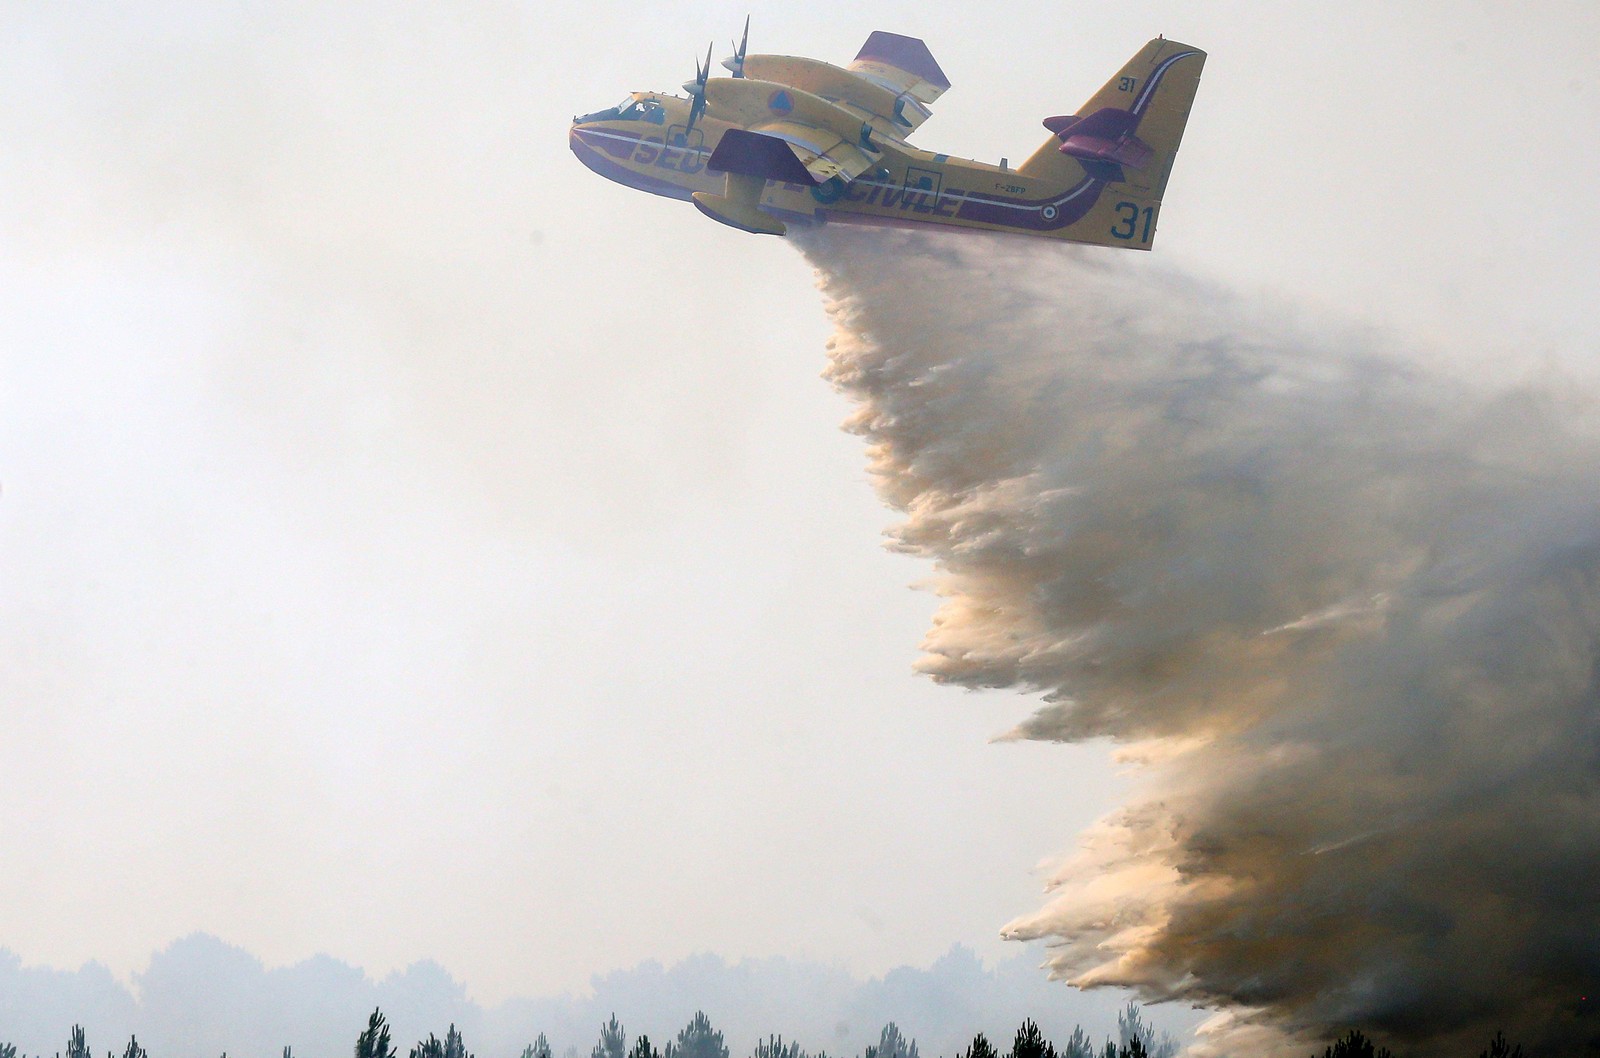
(588, 152)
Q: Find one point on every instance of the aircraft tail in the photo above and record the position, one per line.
(1128, 133)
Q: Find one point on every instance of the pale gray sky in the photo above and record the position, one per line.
(412, 545)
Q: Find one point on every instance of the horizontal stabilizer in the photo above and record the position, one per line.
(1130, 130)
(1107, 135)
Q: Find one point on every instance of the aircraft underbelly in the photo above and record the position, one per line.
(936, 190)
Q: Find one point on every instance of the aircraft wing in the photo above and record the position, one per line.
(889, 85)
(904, 65)
(792, 151)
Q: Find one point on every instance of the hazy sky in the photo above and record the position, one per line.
(412, 545)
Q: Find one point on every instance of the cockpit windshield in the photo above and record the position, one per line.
(643, 110)
(630, 109)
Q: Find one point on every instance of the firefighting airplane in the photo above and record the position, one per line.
(788, 140)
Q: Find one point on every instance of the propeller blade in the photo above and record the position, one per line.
(697, 89)
(735, 63)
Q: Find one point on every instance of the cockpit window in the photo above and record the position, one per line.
(630, 109)
(643, 110)
(609, 114)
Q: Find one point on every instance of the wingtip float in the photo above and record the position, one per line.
(787, 140)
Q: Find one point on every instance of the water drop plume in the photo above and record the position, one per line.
(1342, 606)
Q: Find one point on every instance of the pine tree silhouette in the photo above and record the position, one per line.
(893, 1044)
(1499, 1047)
(980, 1048)
(77, 1046)
(697, 1040)
(1030, 1042)
(1078, 1045)
(539, 1048)
(774, 1047)
(613, 1041)
(1355, 1045)
(374, 1039)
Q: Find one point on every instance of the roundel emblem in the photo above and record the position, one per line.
(779, 102)
(1050, 212)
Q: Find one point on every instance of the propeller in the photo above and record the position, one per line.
(697, 89)
(735, 63)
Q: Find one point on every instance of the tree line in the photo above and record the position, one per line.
(1136, 1038)
(699, 1039)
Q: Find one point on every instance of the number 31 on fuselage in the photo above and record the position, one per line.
(786, 140)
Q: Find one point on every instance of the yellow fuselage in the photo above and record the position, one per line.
(654, 150)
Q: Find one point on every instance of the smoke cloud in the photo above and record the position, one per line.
(1342, 607)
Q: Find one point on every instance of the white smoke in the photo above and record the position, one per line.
(1343, 607)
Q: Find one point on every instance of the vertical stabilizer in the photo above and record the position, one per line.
(1128, 132)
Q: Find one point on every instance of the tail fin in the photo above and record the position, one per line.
(1128, 133)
